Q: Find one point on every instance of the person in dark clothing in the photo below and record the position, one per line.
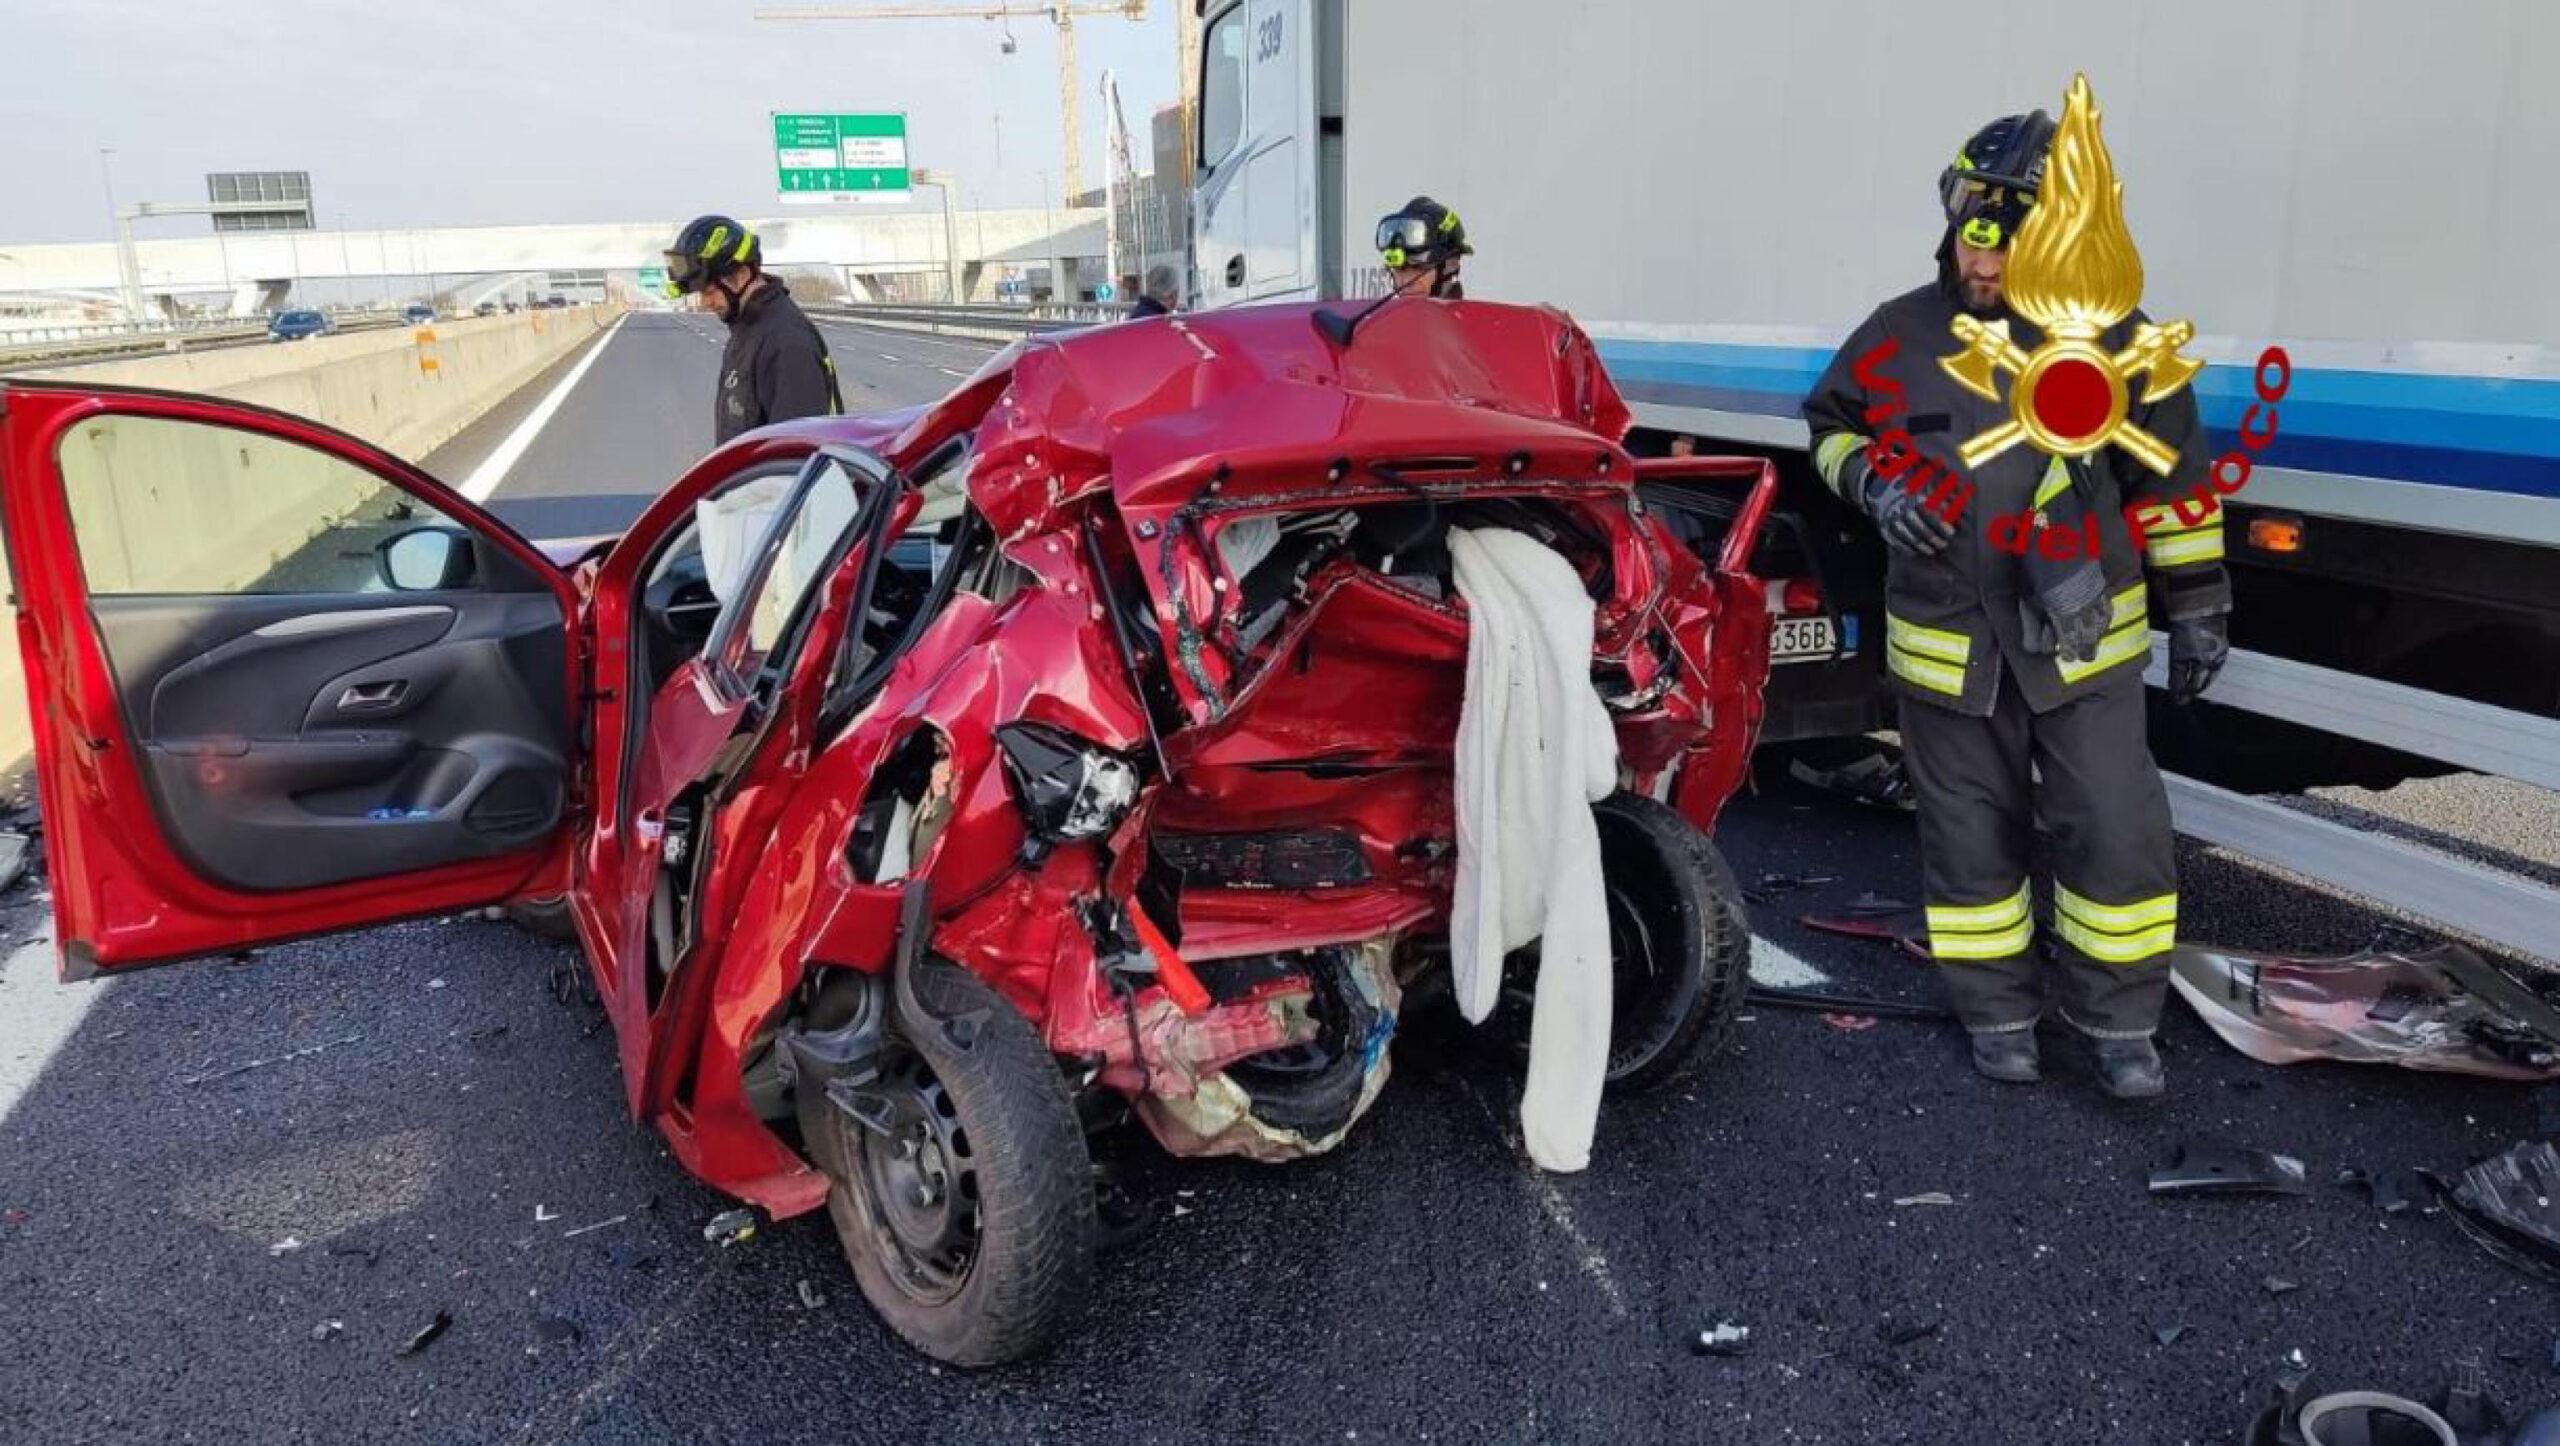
(776, 365)
(1162, 297)
(2020, 674)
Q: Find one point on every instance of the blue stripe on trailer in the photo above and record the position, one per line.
(2499, 434)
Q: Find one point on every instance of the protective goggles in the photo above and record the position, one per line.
(685, 274)
(1984, 213)
(1404, 241)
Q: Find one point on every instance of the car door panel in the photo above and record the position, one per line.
(284, 744)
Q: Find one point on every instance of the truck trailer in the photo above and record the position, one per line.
(1719, 191)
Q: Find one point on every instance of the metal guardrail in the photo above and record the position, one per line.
(114, 340)
(1001, 323)
(2467, 897)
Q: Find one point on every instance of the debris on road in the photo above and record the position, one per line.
(305, 1052)
(1850, 1023)
(2509, 1204)
(2168, 1335)
(287, 1246)
(2208, 1169)
(1772, 885)
(554, 1330)
(1933, 1197)
(328, 1330)
(1826, 1002)
(625, 1255)
(591, 1229)
(730, 1228)
(2394, 1191)
(2278, 1285)
(812, 1298)
(1726, 1339)
(1870, 916)
(1908, 1332)
(544, 1214)
(2443, 1009)
(1875, 779)
(425, 1335)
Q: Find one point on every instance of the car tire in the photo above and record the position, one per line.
(1679, 947)
(1665, 1031)
(545, 919)
(979, 1106)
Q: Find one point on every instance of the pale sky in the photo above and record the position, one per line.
(476, 112)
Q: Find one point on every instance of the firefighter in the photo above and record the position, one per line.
(776, 365)
(1420, 244)
(2020, 673)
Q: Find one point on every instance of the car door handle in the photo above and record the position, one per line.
(373, 697)
(1235, 269)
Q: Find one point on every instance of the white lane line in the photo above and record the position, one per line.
(493, 469)
(951, 371)
(884, 356)
(1774, 965)
(38, 1015)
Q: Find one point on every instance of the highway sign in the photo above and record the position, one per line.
(821, 157)
(653, 280)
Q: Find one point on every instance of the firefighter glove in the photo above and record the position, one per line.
(1909, 527)
(2197, 648)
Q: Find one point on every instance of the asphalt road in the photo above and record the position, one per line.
(432, 1132)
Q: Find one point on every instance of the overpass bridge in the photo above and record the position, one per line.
(878, 257)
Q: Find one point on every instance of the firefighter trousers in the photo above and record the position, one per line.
(2083, 774)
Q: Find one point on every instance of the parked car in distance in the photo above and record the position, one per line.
(555, 299)
(486, 308)
(417, 313)
(298, 323)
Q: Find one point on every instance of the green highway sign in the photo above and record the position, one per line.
(653, 279)
(822, 157)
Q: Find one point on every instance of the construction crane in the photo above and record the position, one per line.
(1059, 12)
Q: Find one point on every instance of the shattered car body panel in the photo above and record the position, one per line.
(2443, 1009)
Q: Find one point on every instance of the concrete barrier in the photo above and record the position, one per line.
(407, 390)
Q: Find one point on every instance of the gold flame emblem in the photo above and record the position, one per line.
(2073, 271)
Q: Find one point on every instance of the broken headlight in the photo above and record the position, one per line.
(1066, 788)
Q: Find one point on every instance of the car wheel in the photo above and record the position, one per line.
(1679, 947)
(962, 1190)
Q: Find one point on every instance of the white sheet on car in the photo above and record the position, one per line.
(1535, 751)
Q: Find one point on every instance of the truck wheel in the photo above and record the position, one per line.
(1680, 950)
(962, 1191)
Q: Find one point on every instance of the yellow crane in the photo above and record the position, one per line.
(1062, 13)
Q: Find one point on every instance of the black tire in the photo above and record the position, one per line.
(1315, 1089)
(993, 1268)
(1680, 948)
(544, 919)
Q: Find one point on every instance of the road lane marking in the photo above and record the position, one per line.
(38, 1016)
(884, 356)
(1552, 1203)
(950, 371)
(493, 469)
(1772, 964)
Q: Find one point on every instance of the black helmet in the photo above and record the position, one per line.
(707, 248)
(1991, 187)
(1422, 232)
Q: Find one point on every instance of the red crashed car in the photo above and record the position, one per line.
(925, 790)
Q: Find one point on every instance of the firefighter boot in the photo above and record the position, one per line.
(2130, 1069)
(2008, 1056)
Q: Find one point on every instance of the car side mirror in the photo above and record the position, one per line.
(426, 559)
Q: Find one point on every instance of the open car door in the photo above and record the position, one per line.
(282, 683)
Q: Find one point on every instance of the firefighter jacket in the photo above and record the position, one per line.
(1954, 622)
(775, 367)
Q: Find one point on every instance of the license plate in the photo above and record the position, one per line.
(1802, 640)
